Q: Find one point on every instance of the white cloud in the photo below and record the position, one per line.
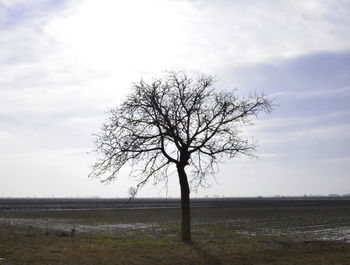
(301, 129)
(11, 3)
(61, 69)
(124, 37)
(101, 47)
(249, 32)
(310, 94)
(289, 177)
(272, 123)
(146, 36)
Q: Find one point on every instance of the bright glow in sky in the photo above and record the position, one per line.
(64, 63)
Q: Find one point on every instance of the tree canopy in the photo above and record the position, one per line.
(161, 118)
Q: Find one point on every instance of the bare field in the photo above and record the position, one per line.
(222, 229)
(293, 219)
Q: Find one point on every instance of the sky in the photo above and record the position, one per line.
(63, 63)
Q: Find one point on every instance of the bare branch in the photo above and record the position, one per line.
(172, 121)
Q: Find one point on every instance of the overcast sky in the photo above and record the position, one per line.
(63, 63)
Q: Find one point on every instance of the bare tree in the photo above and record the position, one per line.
(132, 192)
(176, 124)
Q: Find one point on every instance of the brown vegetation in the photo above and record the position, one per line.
(27, 245)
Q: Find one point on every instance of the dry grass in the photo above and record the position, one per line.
(27, 245)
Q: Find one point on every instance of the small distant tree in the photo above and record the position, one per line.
(132, 192)
(176, 123)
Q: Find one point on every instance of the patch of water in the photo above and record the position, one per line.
(311, 232)
(68, 225)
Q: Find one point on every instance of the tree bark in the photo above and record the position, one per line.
(185, 205)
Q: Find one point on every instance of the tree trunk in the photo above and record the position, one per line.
(185, 205)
